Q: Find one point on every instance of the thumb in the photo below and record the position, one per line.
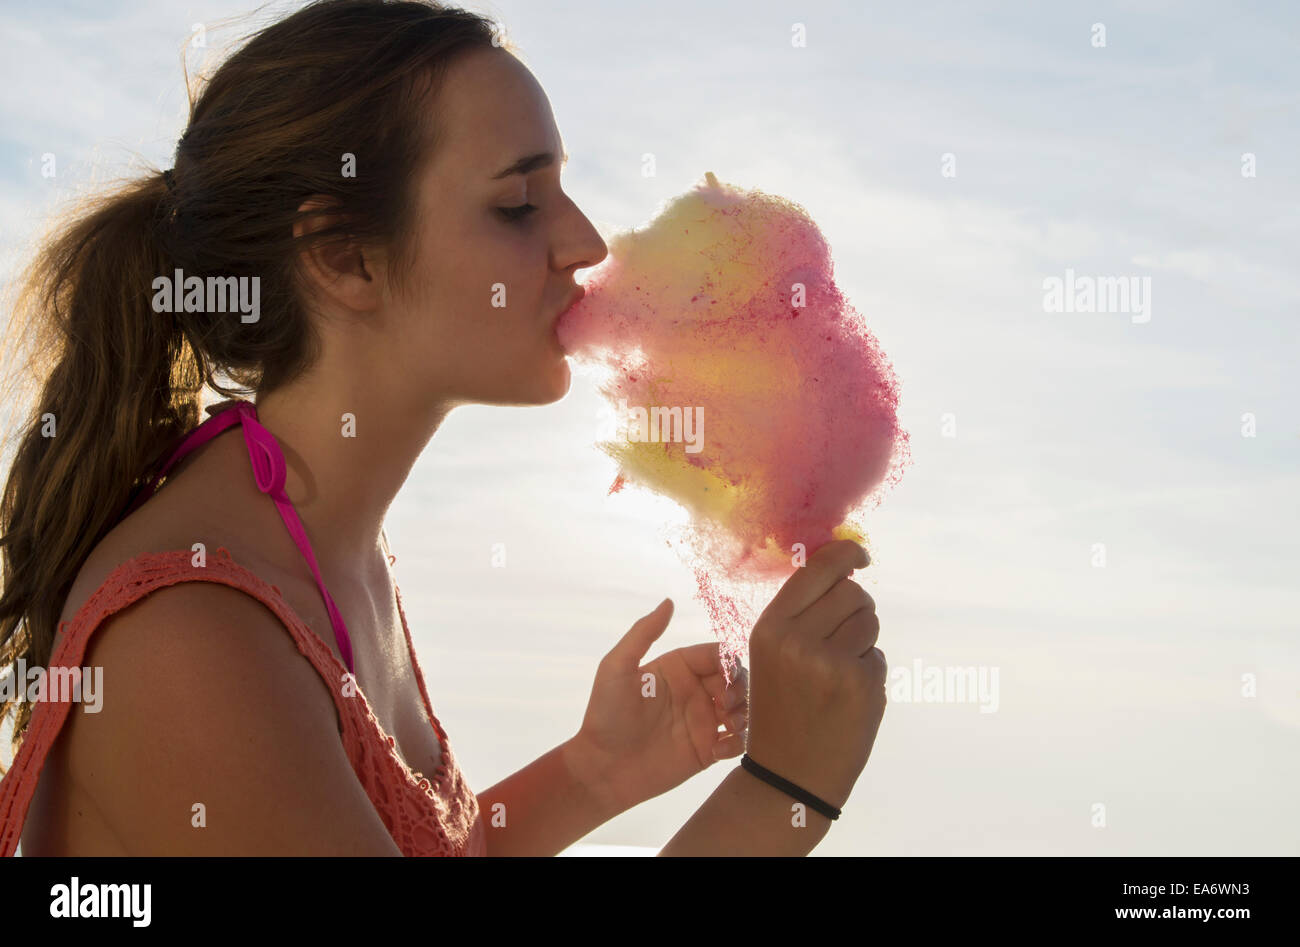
(644, 632)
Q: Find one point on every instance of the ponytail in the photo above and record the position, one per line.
(120, 384)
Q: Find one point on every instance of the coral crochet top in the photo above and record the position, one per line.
(436, 815)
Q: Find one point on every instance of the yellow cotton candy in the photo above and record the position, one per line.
(700, 490)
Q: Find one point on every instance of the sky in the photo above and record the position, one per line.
(1101, 505)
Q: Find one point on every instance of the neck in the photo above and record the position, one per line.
(349, 443)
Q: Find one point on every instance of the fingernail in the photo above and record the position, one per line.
(732, 697)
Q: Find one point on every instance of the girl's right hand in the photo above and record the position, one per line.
(817, 681)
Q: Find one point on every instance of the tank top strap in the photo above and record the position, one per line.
(128, 584)
(269, 471)
(225, 417)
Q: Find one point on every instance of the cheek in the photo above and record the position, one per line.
(491, 263)
(476, 316)
(503, 285)
(454, 286)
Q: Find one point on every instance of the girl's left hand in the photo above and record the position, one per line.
(651, 727)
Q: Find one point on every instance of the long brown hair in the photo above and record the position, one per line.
(118, 382)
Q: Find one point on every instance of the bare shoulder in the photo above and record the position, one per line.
(214, 735)
(192, 510)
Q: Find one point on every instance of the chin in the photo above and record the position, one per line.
(545, 384)
(558, 381)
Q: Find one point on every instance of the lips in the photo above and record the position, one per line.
(578, 293)
(557, 328)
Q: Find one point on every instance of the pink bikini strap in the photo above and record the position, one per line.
(269, 471)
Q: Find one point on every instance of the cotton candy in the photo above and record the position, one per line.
(779, 411)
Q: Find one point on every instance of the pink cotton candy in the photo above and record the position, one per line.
(778, 410)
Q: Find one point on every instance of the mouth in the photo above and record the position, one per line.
(578, 293)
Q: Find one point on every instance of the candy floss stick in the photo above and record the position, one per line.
(751, 391)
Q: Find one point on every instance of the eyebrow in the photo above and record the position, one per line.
(543, 159)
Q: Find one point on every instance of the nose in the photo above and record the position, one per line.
(580, 245)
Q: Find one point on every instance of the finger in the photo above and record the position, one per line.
(857, 634)
(728, 747)
(830, 611)
(734, 719)
(876, 666)
(736, 694)
(632, 647)
(701, 719)
(701, 659)
(736, 668)
(728, 698)
(824, 568)
(732, 699)
(728, 695)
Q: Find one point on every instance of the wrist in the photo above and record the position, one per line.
(792, 789)
(591, 775)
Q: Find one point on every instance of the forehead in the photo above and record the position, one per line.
(492, 111)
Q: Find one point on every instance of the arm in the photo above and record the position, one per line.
(207, 701)
(747, 817)
(548, 805)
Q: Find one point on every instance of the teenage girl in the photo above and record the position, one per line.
(375, 169)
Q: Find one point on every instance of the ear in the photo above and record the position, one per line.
(339, 269)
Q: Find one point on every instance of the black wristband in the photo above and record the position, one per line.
(789, 788)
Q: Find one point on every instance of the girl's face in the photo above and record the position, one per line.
(497, 244)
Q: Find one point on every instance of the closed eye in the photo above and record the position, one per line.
(516, 213)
